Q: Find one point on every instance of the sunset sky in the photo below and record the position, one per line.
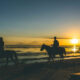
(35, 21)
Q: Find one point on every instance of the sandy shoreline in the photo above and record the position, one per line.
(41, 71)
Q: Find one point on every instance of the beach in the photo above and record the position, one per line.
(39, 39)
(33, 65)
(58, 70)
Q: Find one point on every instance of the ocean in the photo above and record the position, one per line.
(34, 55)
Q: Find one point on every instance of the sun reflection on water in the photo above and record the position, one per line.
(74, 49)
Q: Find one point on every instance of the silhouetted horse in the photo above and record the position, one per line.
(9, 54)
(52, 51)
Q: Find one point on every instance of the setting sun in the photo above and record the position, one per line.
(74, 41)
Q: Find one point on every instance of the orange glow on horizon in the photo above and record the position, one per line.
(38, 41)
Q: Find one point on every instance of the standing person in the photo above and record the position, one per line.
(1, 45)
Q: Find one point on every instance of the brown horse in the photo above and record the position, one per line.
(9, 54)
(52, 51)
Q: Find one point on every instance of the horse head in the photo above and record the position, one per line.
(42, 47)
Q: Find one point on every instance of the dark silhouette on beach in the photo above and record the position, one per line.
(1, 45)
(39, 71)
(55, 43)
(52, 52)
(7, 53)
(55, 49)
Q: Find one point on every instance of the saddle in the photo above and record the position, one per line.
(55, 49)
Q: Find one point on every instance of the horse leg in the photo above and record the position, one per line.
(16, 58)
(7, 60)
(64, 52)
(11, 56)
(49, 58)
(62, 57)
(53, 57)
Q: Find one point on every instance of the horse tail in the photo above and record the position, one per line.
(64, 51)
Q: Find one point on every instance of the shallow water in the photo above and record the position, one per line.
(32, 55)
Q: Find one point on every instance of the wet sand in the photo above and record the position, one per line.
(59, 70)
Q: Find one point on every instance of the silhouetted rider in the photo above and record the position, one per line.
(56, 43)
(1, 45)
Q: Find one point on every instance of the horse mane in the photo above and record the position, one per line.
(46, 45)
